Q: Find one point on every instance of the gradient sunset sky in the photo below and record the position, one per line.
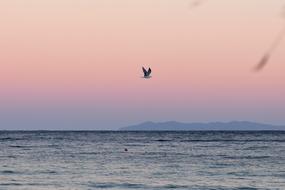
(76, 64)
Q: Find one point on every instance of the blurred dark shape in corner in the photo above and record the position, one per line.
(264, 60)
(283, 11)
(262, 63)
(196, 3)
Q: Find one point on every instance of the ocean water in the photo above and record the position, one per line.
(154, 160)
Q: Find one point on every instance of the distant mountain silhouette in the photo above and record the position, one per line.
(214, 126)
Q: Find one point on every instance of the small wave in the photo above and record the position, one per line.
(22, 146)
(135, 185)
(8, 172)
(16, 146)
(231, 140)
(136, 145)
(26, 146)
(163, 140)
(200, 155)
(10, 139)
(246, 188)
(227, 188)
(118, 185)
(9, 156)
(173, 186)
(88, 153)
(48, 172)
(11, 184)
(246, 157)
(24, 184)
(256, 147)
(280, 175)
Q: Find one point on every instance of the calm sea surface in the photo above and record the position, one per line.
(154, 160)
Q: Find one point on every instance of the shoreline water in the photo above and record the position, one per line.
(155, 160)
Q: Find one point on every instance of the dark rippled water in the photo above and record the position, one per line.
(155, 160)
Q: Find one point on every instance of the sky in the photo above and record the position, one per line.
(76, 64)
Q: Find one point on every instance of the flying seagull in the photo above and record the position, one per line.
(146, 73)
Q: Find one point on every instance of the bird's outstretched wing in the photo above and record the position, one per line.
(149, 71)
(144, 71)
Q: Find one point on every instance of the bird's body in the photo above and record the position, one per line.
(146, 73)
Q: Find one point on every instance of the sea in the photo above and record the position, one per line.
(117, 160)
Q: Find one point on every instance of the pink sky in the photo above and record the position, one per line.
(85, 57)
